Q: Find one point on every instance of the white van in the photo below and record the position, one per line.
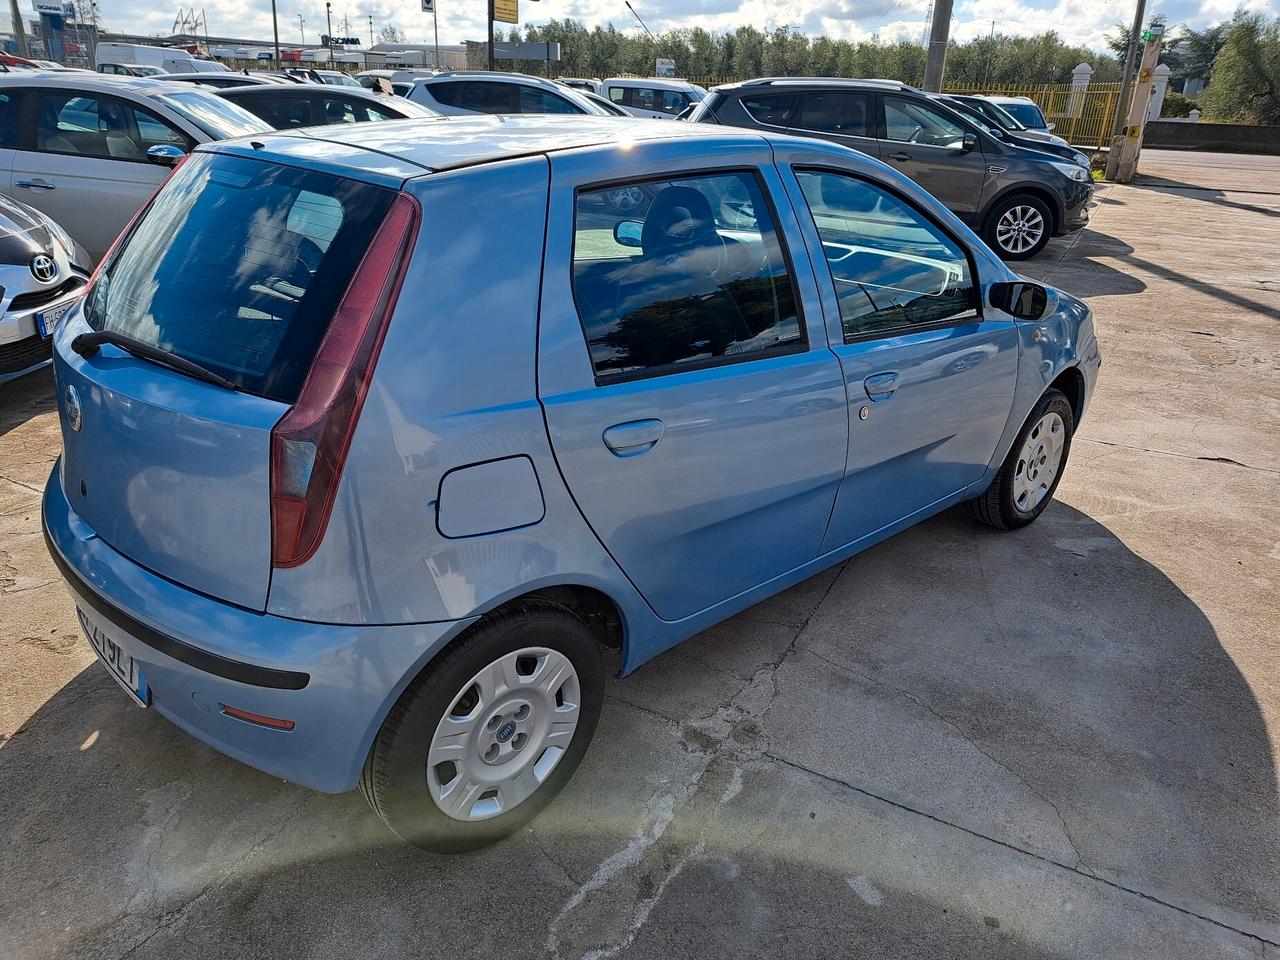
(651, 96)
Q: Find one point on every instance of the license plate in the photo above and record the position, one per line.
(47, 320)
(123, 668)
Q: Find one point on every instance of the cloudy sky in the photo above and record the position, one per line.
(1078, 21)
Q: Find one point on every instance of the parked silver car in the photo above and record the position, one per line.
(89, 150)
(42, 272)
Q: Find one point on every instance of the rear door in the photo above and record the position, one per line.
(692, 402)
(927, 145)
(10, 127)
(83, 161)
(238, 266)
(846, 117)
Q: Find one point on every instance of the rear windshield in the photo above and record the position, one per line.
(238, 265)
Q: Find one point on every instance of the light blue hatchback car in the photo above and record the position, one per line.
(374, 438)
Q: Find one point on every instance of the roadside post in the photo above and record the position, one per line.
(1122, 161)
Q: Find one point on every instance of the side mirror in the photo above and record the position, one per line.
(996, 132)
(627, 233)
(1050, 126)
(165, 155)
(970, 141)
(1021, 299)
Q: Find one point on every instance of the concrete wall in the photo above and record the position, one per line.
(1231, 137)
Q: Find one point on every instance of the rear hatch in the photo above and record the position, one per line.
(238, 265)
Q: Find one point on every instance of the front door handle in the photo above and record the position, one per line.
(900, 156)
(34, 184)
(633, 437)
(880, 386)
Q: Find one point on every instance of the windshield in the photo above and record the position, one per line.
(1027, 114)
(217, 117)
(972, 114)
(339, 80)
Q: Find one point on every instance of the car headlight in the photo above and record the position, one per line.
(1073, 171)
(59, 235)
(1081, 159)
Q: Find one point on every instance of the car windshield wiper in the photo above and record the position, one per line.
(87, 344)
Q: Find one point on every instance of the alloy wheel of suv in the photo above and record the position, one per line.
(1018, 227)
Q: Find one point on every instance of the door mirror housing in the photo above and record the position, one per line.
(627, 233)
(1050, 126)
(165, 154)
(969, 142)
(1021, 299)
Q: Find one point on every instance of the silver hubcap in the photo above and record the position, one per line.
(504, 733)
(1039, 462)
(1019, 229)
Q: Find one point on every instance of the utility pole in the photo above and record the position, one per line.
(371, 29)
(1126, 79)
(275, 31)
(491, 15)
(328, 19)
(936, 57)
(652, 37)
(1122, 161)
(19, 31)
(302, 33)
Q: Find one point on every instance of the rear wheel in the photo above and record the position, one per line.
(1018, 227)
(490, 732)
(1030, 473)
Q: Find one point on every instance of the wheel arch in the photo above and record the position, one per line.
(1070, 382)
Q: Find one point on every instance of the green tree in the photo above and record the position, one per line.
(1245, 83)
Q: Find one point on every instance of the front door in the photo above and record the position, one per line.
(84, 164)
(928, 145)
(929, 378)
(694, 407)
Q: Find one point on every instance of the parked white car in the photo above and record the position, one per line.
(480, 91)
(651, 96)
(1025, 110)
(89, 150)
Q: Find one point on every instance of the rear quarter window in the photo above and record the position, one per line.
(239, 265)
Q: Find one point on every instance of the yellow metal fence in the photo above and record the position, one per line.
(1083, 116)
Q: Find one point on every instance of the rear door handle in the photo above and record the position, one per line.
(880, 386)
(900, 156)
(633, 437)
(35, 184)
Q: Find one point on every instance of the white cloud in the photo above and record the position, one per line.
(1077, 21)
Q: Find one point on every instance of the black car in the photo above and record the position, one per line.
(1054, 145)
(1015, 197)
(314, 104)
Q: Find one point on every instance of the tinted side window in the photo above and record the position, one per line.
(909, 121)
(102, 127)
(543, 101)
(282, 112)
(10, 110)
(481, 96)
(703, 280)
(845, 113)
(772, 108)
(347, 110)
(892, 267)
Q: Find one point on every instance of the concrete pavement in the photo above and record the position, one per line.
(1057, 742)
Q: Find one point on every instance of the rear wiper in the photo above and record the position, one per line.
(87, 344)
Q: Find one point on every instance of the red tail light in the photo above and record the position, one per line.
(309, 445)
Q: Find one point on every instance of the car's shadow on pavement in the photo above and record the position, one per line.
(935, 750)
(24, 398)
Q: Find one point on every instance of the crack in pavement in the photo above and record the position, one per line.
(1184, 456)
(719, 729)
(1080, 865)
(977, 834)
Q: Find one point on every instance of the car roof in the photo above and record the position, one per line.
(97, 82)
(292, 89)
(997, 98)
(868, 83)
(408, 148)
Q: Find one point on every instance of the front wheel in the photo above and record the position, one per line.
(1030, 473)
(489, 732)
(1017, 227)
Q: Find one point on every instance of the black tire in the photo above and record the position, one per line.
(395, 777)
(998, 506)
(1003, 206)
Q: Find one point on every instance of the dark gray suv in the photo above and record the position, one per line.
(1015, 197)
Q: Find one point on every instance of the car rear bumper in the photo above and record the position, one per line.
(334, 682)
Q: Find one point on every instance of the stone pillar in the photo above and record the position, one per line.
(1160, 84)
(1079, 84)
(1195, 116)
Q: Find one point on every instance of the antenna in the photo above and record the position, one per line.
(641, 22)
